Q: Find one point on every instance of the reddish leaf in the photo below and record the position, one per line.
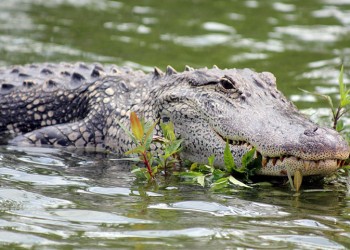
(136, 126)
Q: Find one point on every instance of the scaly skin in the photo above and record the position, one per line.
(80, 106)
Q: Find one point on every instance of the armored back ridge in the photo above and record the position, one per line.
(81, 106)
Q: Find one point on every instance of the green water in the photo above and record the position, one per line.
(53, 199)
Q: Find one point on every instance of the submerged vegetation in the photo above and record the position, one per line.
(166, 159)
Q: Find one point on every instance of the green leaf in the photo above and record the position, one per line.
(344, 94)
(203, 168)
(173, 148)
(218, 174)
(137, 150)
(237, 182)
(326, 97)
(200, 180)
(190, 174)
(141, 173)
(346, 167)
(136, 170)
(340, 125)
(127, 132)
(247, 158)
(193, 166)
(219, 184)
(211, 160)
(155, 170)
(150, 158)
(168, 130)
(136, 126)
(149, 134)
(341, 81)
(228, 159)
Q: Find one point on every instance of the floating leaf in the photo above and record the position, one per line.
(234, 181)
(219, 184)
(190, 174)
(200, 180)
(298, 179)
(136, 126)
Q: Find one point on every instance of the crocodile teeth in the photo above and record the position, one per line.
(317, 164)
(274, 160)
(264, 162)
(342, 163)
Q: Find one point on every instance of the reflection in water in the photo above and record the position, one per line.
(61, 199)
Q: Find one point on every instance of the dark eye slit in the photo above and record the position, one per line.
(226, 84)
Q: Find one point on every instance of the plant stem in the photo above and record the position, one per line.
(146, 162)
(336, 117)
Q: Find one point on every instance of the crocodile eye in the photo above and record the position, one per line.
(227, 84)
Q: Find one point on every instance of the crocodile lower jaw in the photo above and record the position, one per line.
(280, 166)
(271, 166)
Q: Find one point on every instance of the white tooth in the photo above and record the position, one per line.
(338, 163)
(264, 161)
(317, 164)
(274, 160)
(306, 164)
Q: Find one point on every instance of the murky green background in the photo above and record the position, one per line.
(52, 199)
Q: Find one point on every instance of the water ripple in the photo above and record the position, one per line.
(305, 241)
(40, 179)
(240, 208)
(119, 191)
(188, 232)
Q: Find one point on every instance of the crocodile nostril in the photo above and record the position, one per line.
(311, 131)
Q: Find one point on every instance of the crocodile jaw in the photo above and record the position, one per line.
(306, 167)
(280, 166)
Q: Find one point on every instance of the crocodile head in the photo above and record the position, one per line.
(211, 106)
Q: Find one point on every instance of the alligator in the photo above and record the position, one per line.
(82, 106)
